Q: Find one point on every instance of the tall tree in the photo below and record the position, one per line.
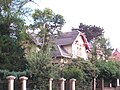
(11, 52)
(90, 31)
(48, 25)
(101, 48)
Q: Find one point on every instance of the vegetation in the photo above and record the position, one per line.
(90, 31)
(108, 70)
(49, 25)
(17, 74)
(101, 49)
(41, 69)
(18, 54)
(83, 71)
(11, 52)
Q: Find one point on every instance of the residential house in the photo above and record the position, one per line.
(71, 45)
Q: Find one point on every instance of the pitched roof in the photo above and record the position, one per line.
(64, 39)
(61, 52)
(67, 38)
(116, 55)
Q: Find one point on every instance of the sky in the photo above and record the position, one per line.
(103, 13)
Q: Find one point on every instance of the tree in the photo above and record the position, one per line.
(83, 71)
(11, 51)
(11, 55)
(90, 31)
(48, 24)
(101, 48)
(76, 73)
(41, 68)
(108, 70)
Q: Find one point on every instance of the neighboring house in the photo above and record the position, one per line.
(71, 45)
(115, 55)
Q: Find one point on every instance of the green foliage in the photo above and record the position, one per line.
(118, 69)
(41, 68)
(5, 73)
(83, 71)
(11, 52)
(86, 66)
(76, 73)
(90, 31)
(73, 72)
(13, 40)
(108, 70)
(27, 43)
(101, 48)
(11, 55)
(48, 24)
(14, 7)
(48, 20)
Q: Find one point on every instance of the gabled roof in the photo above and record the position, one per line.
(61, 52)
(64, 39)
(67, 38)
(116, 55)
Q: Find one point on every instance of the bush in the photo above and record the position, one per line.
(5, 73)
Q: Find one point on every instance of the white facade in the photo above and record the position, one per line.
(78, 48)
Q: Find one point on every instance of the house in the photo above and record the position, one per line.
(71, 45)
(116, 55)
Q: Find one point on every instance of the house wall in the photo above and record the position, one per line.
(78, 48)
(68, 48)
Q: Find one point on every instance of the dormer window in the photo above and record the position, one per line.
(76, 41)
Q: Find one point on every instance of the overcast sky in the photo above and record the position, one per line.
(103, 13)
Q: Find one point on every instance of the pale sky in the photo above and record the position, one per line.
(103, 13)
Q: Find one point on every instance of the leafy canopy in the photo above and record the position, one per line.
(101, 48)
(11, 52)
(48, 25)
(108, 70)
(90, 31)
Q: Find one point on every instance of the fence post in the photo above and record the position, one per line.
(118, 82)
(102, 84)
(23, 80)
(94, 83)
(10, 82)
(72, 84)
(50, 83)
(62, 83)
(110, 84)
